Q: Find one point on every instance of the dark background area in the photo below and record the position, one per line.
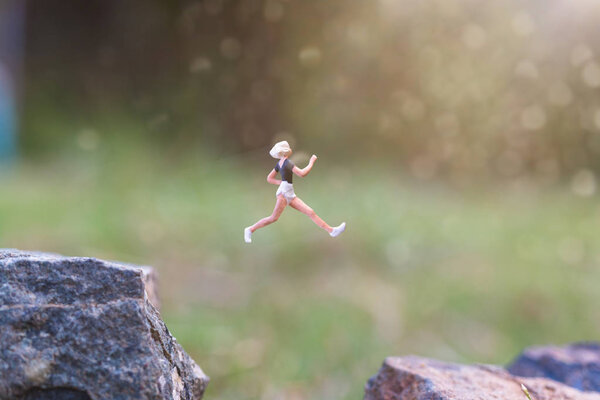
(148, 60)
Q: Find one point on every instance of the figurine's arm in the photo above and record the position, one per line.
(304, 171)
(271, 178)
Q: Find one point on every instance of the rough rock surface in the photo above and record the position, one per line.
(576, 365)
(414, 378)
(82, 328)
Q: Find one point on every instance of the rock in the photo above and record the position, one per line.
(151, 285)
(415, 378)
(576, 365)
(82, 328)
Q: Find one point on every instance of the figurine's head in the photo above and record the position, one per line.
(281, 149)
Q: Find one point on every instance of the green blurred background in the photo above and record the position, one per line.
(459, 139)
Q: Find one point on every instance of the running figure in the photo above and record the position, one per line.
(285, 194)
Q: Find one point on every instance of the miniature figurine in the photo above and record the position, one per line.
(285, 193)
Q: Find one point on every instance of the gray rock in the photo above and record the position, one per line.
(577, 365)
(82, 328)
(151, 284)
(415, 378)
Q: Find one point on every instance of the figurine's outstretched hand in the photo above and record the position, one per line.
(304, 171)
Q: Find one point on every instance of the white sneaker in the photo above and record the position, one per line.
(338, 230)
(247, 235)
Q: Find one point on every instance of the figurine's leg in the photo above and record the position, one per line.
(279, 206)
(305, 209)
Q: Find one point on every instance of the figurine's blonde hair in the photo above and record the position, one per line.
(281, 149)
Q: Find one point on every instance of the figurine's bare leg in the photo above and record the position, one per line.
(279, 206)
(305, 209)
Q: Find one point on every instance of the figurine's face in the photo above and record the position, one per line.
(286, 153)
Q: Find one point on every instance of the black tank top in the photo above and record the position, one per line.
(286, 170)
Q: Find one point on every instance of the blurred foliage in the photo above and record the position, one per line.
(457, 89)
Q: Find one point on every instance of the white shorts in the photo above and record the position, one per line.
(287, 190)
